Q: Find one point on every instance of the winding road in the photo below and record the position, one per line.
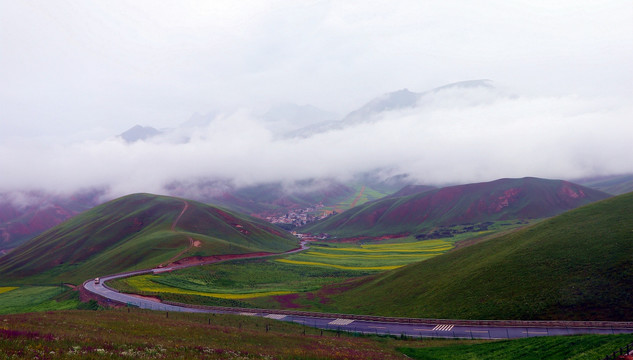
(411, 327)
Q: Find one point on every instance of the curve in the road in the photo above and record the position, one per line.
(358, 323)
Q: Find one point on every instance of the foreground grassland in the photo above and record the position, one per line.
(135, 333)
(118, 334)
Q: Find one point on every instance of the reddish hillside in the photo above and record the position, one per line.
(526, 198)
(24, 215)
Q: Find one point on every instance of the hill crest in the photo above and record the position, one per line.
(139, 231)
(503, 199)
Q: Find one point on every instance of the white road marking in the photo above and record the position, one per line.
(443, 327)
(341, 322)
(247, 314)
(275, 316)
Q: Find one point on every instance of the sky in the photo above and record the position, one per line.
(75, 74)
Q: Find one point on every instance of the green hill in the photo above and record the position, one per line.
(135, 232)
(426, 211)
(576, 266)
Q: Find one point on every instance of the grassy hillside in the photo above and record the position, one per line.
(424, 211)
(135, 232)
(615, 184)
(576, 266)
(26, 214)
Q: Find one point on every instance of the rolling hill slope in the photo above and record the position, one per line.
(135, 232)
(576, 266)
(26, 214)
(419, 213)
(612, 184)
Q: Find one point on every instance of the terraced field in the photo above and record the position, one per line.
(254, 282)
(226, 283)
(323, 264)
(362, 195)
(377, 257)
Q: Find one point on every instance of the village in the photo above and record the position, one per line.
(300, 217)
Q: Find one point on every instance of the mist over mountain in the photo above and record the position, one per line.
(459, 133)
(401, 100)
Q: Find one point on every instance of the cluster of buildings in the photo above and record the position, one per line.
(300, 217)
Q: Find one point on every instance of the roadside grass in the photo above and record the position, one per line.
(577, 347)
(37, 298)
(115, 334)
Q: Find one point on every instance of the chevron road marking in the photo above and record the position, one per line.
(275, 316)
(341, 322)
(443, 328)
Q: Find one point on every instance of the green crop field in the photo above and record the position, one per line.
(241, 282)
(235, 280)
(324, 263)
(590, 347)
(23, 299)
(377, 257)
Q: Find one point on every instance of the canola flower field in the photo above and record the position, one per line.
(322, 264)
(5, 289)
(146, 284)
(378, 257)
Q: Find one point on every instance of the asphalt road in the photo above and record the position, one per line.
(431, 329)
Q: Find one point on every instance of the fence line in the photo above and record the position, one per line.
(616, 354)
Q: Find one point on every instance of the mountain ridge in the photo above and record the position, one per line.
(418, 213)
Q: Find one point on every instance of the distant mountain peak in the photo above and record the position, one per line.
(138, 132)
(469, 84)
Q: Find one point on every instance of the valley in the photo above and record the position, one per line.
(208, 256)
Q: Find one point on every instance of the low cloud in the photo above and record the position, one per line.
(450, 137)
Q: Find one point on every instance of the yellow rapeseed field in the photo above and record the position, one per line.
(391, 267)
(144, 283)
(7, 289)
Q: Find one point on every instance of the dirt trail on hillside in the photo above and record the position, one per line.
(192, 243)
(339, 209)
(362, 190)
